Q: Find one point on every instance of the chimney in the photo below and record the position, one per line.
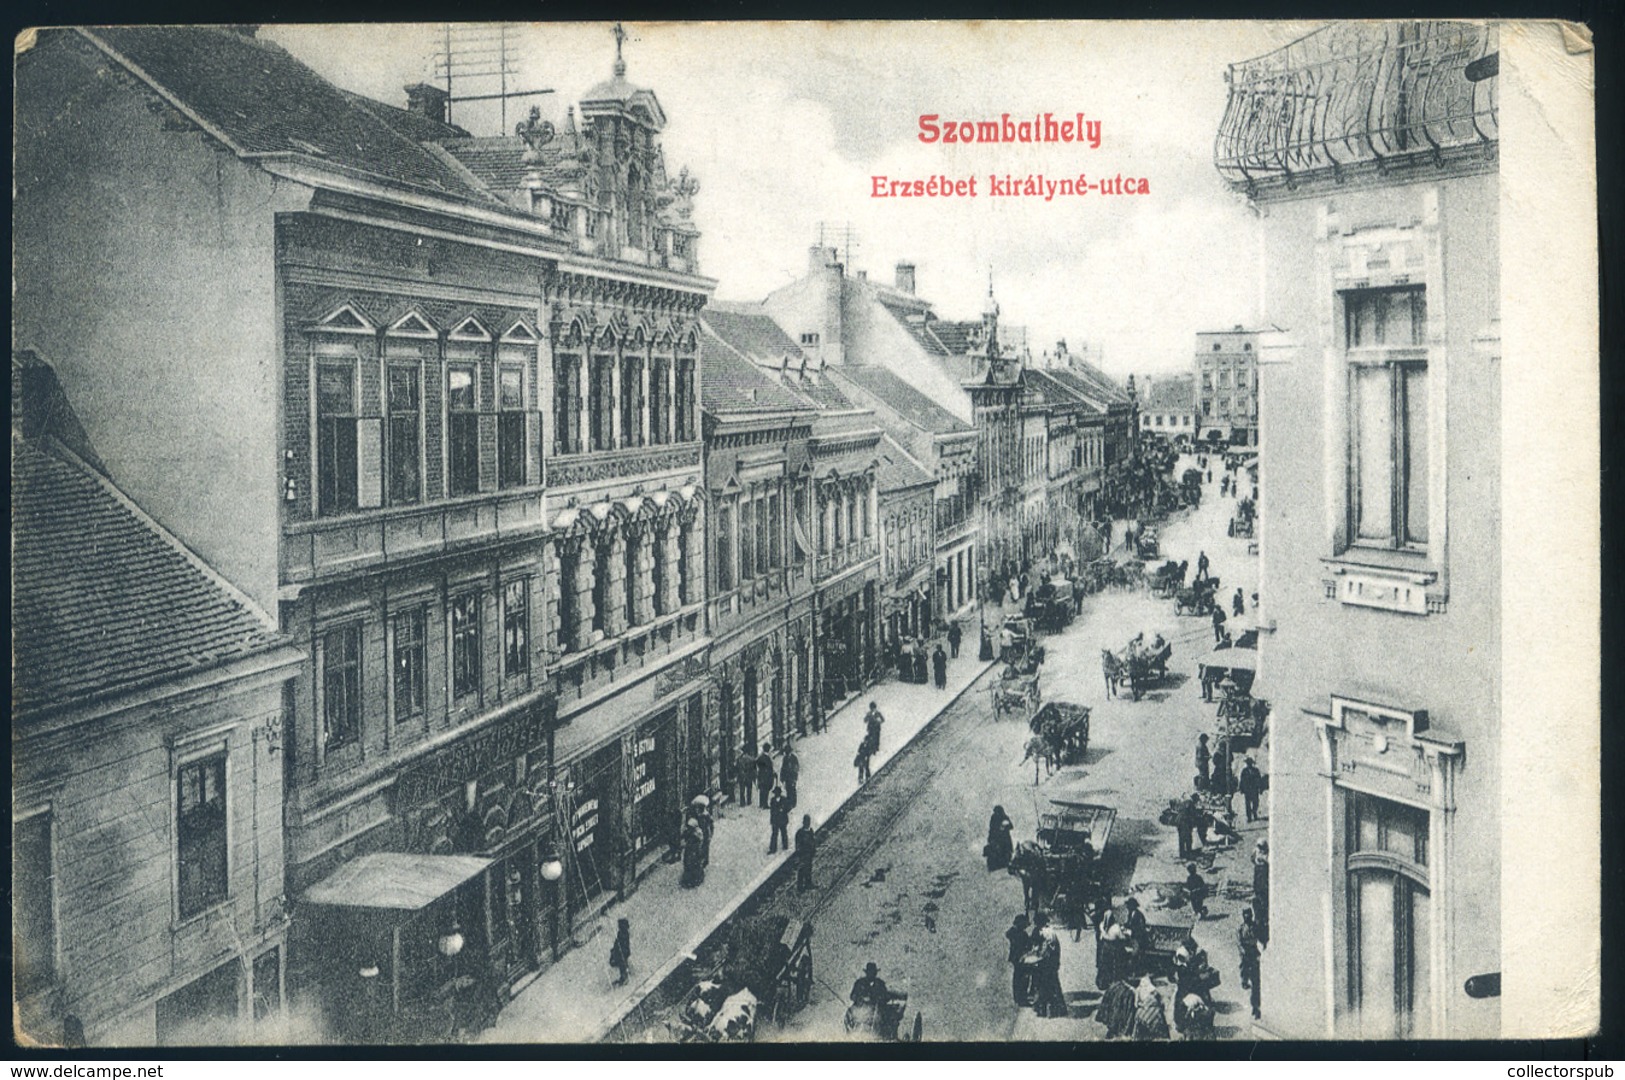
(428, 101)
(1060, 347)
(819, 258)
(824, 268)
(905, 277)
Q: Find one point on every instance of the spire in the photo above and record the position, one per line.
(620, 61)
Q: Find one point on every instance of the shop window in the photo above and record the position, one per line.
(463, 434)
(409, 663)
(336, 472)
(200, 834)
(341, 685)
(516, 628)
(1385, 331)
(511, 426)
(465, 645)
(33, 903)
(405, 422)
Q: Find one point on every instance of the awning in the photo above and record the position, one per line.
(394, 881)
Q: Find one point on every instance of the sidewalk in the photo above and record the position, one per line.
(575, 1001)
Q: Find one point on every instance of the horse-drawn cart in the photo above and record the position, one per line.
(766, 971)
(1058, 870)
(1015, 694)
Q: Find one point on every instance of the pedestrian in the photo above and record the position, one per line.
(920, 661)
(1185, 820)
(1252, 783)
(866, 750)
(700, 809)
(620, 953)
(745, 775)
(1150, 1014)
(1238, 606)
(1110, 942)
(984, 651)
(1218, 623)
(806, 845)
(1201, 565)
(1261, 889)
(790, 773)
(1049, 999)
(693, 850)
(955, 635)
(1011, 599)
(1021, 979)
(1000, 844)
(1247, 946)
(1196, 891)
(779, 821)
(1204, 759)
(872, 721)
(764, 775)
(939, 668)
(1138, 934)
(1223, 782)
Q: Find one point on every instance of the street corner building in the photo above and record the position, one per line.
(1370, 151)
(147, 762)
(433, 401)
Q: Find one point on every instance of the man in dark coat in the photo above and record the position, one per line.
(806, 845)
(872, 721)
(1020, 940)
(1139, 934)
(939, 668)
(1218, 623)
(1247, 946)
(985, 650)
(1261, 889)
(954, 636)
(764, 775)
(778, 811)
(790, 773)
(1196, 891)
(1238, 606)
(1252, 784)
(1201, 565)
(1185, 826)
(1204, 758)
(745, 775)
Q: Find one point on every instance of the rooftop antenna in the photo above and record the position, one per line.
(841, 236)
(480, 52)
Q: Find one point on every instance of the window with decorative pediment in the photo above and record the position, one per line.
(462, 429)
(567, 402)
(601, 403)
(510, 425)
(336, 464)
(684, 414)
(404, 447)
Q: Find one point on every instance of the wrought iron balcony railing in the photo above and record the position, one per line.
(1355, 94)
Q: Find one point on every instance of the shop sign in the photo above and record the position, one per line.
(643, 769)
(470, 758)
(584, 826)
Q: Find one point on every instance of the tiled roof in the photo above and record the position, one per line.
(955, 336)
(266, 102)
(414, 126)
(753, 334)
(499, 161)
(819, 391)
(1172, 393)
(729, 383)
(914, 406)
(939, 337)
(1091, 380)
(104, 600)
(898, 469)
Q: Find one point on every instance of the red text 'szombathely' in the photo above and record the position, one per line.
(1008, 129)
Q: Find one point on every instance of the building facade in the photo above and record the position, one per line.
(1227, 386)
(148, 902)
(1170, 406)
(1380, 534)
(463, 464)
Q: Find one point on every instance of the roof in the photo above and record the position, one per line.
(413, 125)
(499, 161)
(104, 600)
(939, 337)
(898, 469)
(394, 880)
(1172, 394)
(819, 391)
(1090, 380)
(1053, 391)
(911, 404)
(752, 333)
(264, 101)
(730, 383)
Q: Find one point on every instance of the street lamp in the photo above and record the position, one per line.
(552, 869)
(451, 942)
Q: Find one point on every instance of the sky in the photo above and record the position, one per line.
(786, 125)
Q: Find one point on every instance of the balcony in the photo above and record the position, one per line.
(849, 556)
(331, 547)
(599, 465)
(1360, 95)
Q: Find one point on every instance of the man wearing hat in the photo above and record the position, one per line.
(1139, 934)
(1251, 783)
(871, 989)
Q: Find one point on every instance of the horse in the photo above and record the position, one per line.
(1039, 751)
(1113, 670)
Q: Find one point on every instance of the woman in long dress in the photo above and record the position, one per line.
(1000, 844)
(1049, 998)
(693, 854)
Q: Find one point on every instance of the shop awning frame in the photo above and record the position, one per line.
(395, 881)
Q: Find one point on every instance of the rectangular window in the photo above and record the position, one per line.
(511, 426)
(200, 834)
(762, 530)
(405, 422)
(335, 438)
(567, 404)
(629, 579)
(659, 570)
(516, 628)
(465, 645)
(1385, 334)
(409, 663)
(463, 436)
(600, 588)
(631, 401)
(775, 518)
(685, 400)
(747, 539)
(569, 602)
(601, 403)
(659, 401)
(33, 904)
(725, 571)
(341, 685)
(686, 585)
